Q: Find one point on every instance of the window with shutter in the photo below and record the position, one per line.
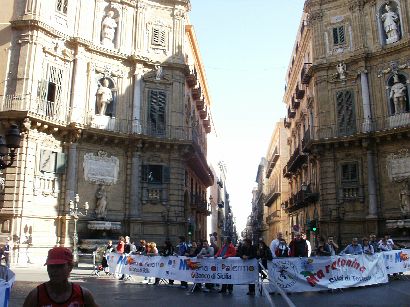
(339, 35)
(155, 174)
(157, 105)
(349, 173)
(158, 37)
(62, 6)
(49, 92)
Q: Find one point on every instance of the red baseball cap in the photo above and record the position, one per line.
(59, 255)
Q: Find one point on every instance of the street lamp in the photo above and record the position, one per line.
(76, 212)
(9, 147)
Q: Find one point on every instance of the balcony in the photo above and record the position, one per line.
(291, 113)
(306, 73)
(200, 103)
(52, 111)
(306, 141)
(196, 93)
(350, 193)
(302, 198)
(192, 77)
(296, 160)
(273, 217)
(203, 113)
(272, 162)
(272, 195)
(286, 173)
(295, 103)
(299, 92)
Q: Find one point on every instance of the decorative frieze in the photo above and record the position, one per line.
(398, 166)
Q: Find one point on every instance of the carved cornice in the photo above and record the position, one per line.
(314, 17)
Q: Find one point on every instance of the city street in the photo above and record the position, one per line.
(110, 292)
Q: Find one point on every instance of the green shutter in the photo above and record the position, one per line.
(60, 163)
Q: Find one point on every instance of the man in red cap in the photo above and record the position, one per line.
(59, 292)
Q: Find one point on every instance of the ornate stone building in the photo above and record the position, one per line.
(348, 117)
(112, 99)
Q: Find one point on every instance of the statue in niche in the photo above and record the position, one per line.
(104, 96)
(158, 75)
(390, 23)
(101, 206)
(398, 94)
(405, 199)
(341, 70)
(108, 30)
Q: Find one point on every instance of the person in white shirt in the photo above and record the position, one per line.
(308, 244)
(275, 243)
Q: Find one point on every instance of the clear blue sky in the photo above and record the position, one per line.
(246, 47)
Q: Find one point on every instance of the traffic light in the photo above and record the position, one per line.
(313, 225)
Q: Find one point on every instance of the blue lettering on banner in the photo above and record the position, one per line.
(122, 260)
(183, 265)
(397, 257)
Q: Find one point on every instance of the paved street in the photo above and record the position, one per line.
(111, 292)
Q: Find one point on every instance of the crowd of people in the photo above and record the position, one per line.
(200, 249)
(299, 246)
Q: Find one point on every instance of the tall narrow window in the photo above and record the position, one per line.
(346, 121)
(339, 35)
(157, 112)
(349, 177)
(61, 6)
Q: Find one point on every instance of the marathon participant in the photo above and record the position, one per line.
(58, 291)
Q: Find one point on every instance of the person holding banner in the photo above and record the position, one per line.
(275, 243)
(227, 250)
(182, 250)
(207, 251)
(353, 249)
(248, 251)
(367, 248)
(298, 246)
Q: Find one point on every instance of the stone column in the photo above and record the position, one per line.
(135, 203)
(78, 89)
(71, 177)
(371, 182)
(367, 111)
(136, 106)
(140, 27)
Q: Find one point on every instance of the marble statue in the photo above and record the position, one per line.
(101, 206)
(341, 70)
(398, 94)
(159, 72)
(104, 97)
(405, 199)
(390, 23)
(108, 30)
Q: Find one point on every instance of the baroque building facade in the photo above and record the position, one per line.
(113, 103)
(349, 121)
(275, 188)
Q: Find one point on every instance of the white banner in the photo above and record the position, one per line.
(397, 261)
(206, 270)
(321, 273)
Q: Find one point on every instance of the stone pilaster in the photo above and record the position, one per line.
(135, 203)
(71, 177)
(78, 92)
(367, 111)
(136, 106)
(371, 182)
